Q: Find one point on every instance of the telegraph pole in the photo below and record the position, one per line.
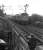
(26, 6)
(3, 8)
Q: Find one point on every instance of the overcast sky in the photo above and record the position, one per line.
(17, 6)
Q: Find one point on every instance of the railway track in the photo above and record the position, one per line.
(38, 33)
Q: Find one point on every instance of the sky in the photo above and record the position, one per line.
(13, 7)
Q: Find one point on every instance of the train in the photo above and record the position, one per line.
(22, 19)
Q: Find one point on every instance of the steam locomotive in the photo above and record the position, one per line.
(22, 19)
